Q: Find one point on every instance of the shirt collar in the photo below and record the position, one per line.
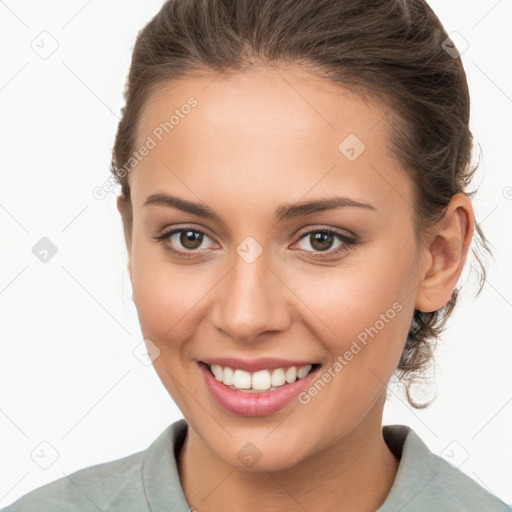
(164, 492)
(414, 457)
(160, 476)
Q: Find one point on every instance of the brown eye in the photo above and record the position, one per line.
(321, 240)
(190, 239)
(185, 242)
(322, 243)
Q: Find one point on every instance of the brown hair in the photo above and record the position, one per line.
(393, 50)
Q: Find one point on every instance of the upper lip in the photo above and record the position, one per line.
(254, 365)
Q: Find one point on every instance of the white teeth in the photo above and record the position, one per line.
(278, 377)
(263, 380)
(228, 376)
(291, 374)
(217, 372)
(302, 372)
(242, 379)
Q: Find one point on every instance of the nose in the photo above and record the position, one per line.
(252, 301)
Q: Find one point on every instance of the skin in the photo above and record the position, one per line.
(254, 142)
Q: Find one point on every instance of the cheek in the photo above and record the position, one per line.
(168, 297)
(168, 302)
(365, 304)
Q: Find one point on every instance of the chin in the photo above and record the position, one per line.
(249, 454)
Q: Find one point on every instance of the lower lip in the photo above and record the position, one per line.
(254, 404)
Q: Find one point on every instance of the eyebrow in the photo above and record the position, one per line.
(285, 211)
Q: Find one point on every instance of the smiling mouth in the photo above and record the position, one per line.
(262, 380)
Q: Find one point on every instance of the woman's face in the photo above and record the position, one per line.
(265, 280)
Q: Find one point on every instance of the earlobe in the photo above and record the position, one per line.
(447, 253)
(120, 202)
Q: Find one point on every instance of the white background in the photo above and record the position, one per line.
(68, 375)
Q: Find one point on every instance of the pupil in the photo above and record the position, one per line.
(189, 239)
(324, 239)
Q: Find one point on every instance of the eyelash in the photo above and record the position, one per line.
(348, 242)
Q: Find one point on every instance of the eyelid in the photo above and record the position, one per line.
(347, 242)
(337, 231)
(167, 233)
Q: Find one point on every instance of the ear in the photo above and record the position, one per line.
(445, 254)
(120, 203)
(120, 208)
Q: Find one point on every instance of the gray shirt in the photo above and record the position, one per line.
(148, 481)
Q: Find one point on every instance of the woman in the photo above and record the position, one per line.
(294, 199)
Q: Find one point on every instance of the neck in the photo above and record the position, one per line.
(355, 474)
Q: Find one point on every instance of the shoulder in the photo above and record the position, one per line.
(141, 482)
(99, 487)
(426, 482)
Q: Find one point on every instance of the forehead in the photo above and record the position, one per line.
(264, 130)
